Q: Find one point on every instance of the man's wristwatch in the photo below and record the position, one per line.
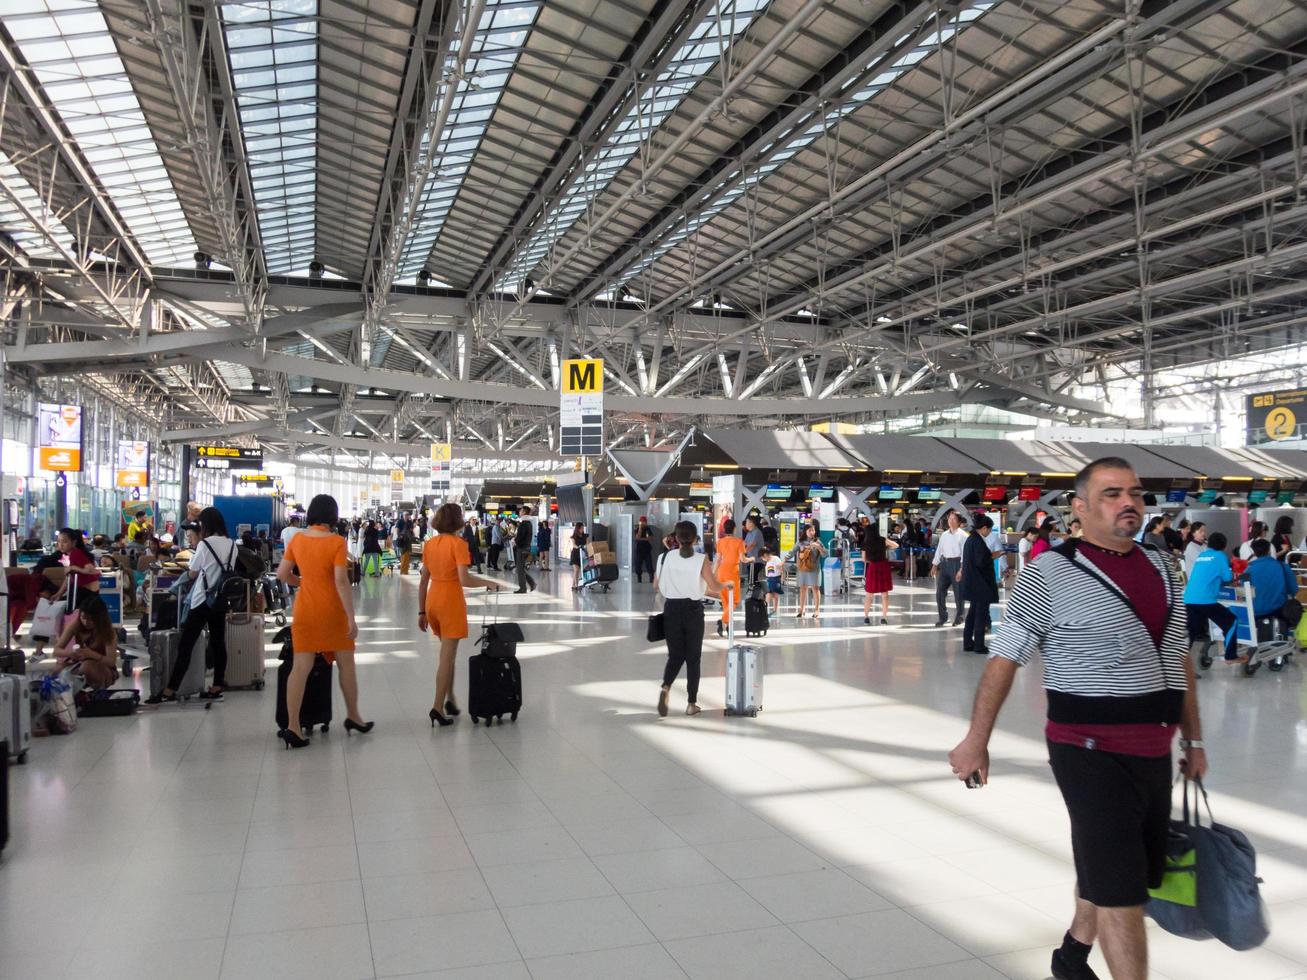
(1191, 743)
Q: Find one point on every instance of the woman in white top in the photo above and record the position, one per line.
(213, 554)
(1196, 546)
(683, 578)
(1256, 532)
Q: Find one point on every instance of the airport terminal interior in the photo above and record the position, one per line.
(345, 344)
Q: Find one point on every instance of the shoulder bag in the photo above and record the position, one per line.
(656, 630)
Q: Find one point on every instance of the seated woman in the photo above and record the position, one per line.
(89, 644)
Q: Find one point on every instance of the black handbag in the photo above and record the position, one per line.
(656, 631)
(500, 640)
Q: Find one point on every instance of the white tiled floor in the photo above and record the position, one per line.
(826, 838)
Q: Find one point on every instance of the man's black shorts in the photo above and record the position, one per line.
(1120, 807)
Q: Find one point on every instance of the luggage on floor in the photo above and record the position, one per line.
(245, 655)
(12, 661)
(164, 647)
(494, 687)
(110, 703)
(315, 709)
(355, 572)
(15, 715)
(743, 676)
(756, 620)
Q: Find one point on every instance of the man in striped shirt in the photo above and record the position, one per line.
(1108, 618)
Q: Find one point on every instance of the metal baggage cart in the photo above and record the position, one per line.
(1261, 639)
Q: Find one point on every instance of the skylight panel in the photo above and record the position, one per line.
(16, 225)
(689, 64)
(496, 46)
(72, 55)
(273, 49)
(848, 103)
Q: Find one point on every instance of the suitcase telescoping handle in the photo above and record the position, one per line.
(486, 606)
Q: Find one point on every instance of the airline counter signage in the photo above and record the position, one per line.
(59, 438)
(133, 469)
(581, 408)
(1276, 416)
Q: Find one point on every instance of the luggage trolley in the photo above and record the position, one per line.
(1260, 638)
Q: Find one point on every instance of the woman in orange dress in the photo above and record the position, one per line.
(323, 617)
(441, 605)
(730, 552)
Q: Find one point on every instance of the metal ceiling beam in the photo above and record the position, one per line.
(648, 53)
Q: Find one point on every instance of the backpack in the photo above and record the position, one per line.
(249, 563)
(232, 587)
(807, 560)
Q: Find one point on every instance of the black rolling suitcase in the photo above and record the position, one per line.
(756, 620)
(494, 680)
(316, 707)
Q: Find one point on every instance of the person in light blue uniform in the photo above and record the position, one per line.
(1202, 597)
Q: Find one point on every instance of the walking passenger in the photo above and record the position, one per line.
(726, 566)
(522, 549)
(371, 549)
(753, 545)
(979, 586)
(496, 545)
(807, 556)
(1119, 682)
(544, 541)
(878, 579)
(441, 604)
(316, 563)
(946, 567)
(683, 580)
(473, 540)
(643, 549)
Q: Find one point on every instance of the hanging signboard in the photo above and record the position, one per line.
(59, 438)
(133, 468)
(1275, 416)
(396, 485)
(442, 469)
(581, 414)
(228, 458)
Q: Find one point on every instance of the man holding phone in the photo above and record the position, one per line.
(1108, 617)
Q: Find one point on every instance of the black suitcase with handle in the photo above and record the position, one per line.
(494, 680)
(315, 709)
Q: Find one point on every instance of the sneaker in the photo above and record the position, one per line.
(161, 699)
(210, 695)
(866, 621)
(942, 622)
(1062, 970)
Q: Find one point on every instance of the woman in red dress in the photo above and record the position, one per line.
(879, 579)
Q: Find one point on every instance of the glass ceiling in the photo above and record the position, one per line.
(805, 137)
(73, 57)
(273, 49)
(496, 45)
(14, 223)
(691, 62)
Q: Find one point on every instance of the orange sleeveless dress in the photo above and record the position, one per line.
(731, 550)
(446, 605)
(319, 623)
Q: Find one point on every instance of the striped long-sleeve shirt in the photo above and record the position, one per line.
(1101, 665)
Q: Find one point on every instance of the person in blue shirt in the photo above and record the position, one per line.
(1273, 582)
(1202, 597)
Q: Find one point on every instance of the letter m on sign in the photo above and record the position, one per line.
(583, 377)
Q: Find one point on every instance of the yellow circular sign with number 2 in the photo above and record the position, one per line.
(1281, 423)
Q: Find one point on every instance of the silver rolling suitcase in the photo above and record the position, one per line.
(15, 715)
(743, 674)
(245, 653)
(164, 646)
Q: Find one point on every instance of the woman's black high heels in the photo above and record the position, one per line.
(292, 739)
(353, 726)
(437, 718)
(452, 709)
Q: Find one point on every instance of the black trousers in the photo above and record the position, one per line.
(683, 629)
(214, 617)
(945, 579)
(524, 578)
(1200, 615)
(493, 560)
(977, 624)
(644, 560)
